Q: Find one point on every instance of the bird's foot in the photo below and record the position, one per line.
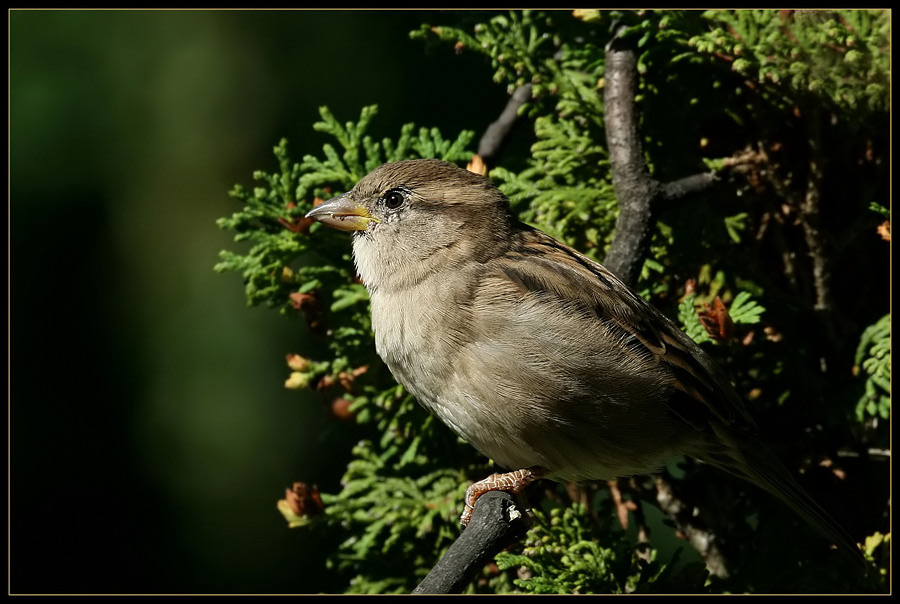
(511, 482)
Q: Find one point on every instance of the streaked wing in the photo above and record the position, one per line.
(542, 264)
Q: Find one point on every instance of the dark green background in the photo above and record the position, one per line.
(150, 432)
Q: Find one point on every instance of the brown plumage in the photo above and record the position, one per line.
(536, 355)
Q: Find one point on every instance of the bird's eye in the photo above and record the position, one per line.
(393, 199)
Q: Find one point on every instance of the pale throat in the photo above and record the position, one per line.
(385, 266)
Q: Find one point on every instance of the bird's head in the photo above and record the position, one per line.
(413, 218)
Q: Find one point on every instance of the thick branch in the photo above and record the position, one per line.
(496, 522)
(636, 191)
(496, 134)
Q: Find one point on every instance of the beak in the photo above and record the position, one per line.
(342, 213)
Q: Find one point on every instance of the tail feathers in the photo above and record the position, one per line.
(757, 464)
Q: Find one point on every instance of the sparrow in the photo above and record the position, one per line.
(536, 355)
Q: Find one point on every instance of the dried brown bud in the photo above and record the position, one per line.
(297, 380)
(300, 224)
(325, 382)
(346, 378)
(623, 506)
(300, 301)
(296, 362)
(716, 320)
(838, 472)
(587, 15)
(308, 303)
(304, 500)
(772, 334)
(340, 409)
(477, 165)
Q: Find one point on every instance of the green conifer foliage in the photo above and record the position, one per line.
(789, 110)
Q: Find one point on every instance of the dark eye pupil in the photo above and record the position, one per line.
(393, 199)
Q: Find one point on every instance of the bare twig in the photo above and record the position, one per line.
(622, 506)
(872, 453)
(805, 208)
(643, 529)
(700, 537)
(677, 189)
(496, 134)
(816, 240)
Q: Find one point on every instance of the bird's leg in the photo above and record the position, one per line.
(511, 482)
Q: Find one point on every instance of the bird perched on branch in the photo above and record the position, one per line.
(536, 355)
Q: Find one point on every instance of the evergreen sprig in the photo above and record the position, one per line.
(842, 56)
(562, 555)
(397, 501)
(566, 190)
(518, 43)
(874, 357)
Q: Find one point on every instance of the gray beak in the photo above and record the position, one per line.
(342, 213)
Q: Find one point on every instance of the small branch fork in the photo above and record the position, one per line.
(637, 192)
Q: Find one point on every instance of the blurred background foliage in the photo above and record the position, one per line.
(151, 434)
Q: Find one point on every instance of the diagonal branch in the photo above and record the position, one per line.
(497, 132)
(496, 522)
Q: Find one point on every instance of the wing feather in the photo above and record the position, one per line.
(542, 264)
